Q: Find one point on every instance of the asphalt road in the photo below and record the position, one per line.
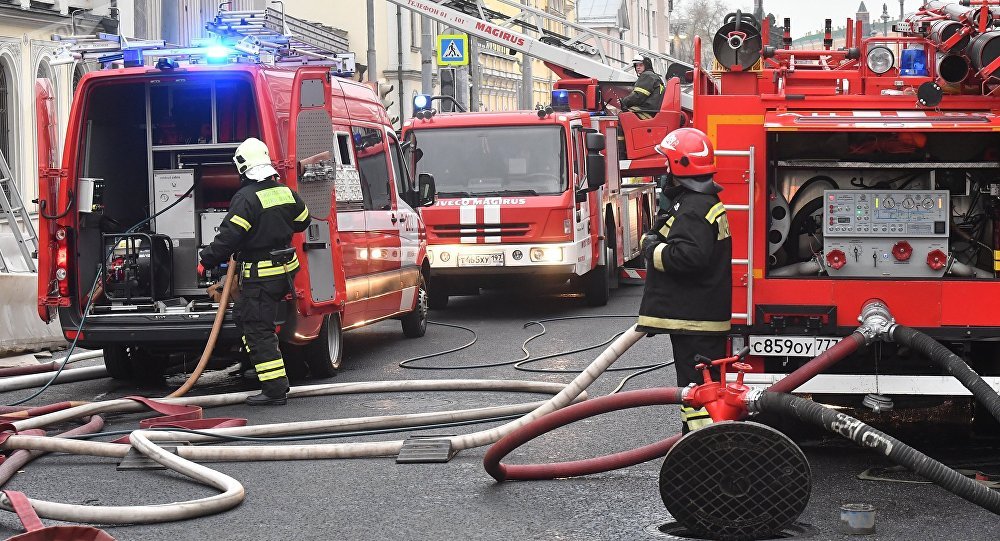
(377, 499)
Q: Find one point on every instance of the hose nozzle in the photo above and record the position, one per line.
(876, 322)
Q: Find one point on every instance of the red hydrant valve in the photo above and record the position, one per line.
(902, 251)
(937, 259)
(836, 259)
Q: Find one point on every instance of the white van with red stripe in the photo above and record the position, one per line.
(526, 197)
(147, 176)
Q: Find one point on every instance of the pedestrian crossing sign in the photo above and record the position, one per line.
(453, 50)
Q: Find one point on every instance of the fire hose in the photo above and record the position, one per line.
(726, 401)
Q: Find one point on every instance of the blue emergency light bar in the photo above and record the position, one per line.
(421, 102)
(560, 100)
(913, 63)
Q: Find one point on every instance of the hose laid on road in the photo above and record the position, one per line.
(50, 366)
(943, 357)
(866, 436)
(68, 375)
(206, 353)
(576, 412)
(232, 492)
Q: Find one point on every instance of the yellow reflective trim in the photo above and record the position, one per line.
(240, 222)
(713, 214)
(665, 230)
(269, 365)
(695, 424)
(294, 264)
(272, 197)
(266, 376)
(684, 324)
(658, 257)
(302, 217)
(641, 90)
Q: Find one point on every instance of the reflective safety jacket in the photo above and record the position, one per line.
(262, 217)
(689, 276)
(646, 96)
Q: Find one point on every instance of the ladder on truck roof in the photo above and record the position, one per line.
(528, 30)
(12, 209)
(265, 36)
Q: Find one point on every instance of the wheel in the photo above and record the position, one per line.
(437, 294)
(597, 287)
(118, 361)
(415, 322)
(325, 353)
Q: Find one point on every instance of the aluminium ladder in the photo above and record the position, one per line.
(12, 209)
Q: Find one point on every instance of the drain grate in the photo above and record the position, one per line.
(735, 481)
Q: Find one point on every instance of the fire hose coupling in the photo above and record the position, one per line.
(876, 321)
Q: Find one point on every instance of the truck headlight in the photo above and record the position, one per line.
(880, 59)
(546, 255)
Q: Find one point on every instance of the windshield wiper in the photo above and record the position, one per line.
(498, 193)
(454, 194)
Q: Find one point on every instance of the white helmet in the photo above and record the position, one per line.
(253, 160)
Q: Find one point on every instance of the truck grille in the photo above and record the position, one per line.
(458, 231)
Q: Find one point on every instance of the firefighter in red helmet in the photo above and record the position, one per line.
(688, 291)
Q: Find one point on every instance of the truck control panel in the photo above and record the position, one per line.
(885, 233)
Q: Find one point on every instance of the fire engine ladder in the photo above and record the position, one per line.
(530, 31)
(12, 209)
(748, 208)
(266, 36)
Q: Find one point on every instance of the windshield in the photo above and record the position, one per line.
(512, 160)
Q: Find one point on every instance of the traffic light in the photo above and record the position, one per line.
(384, 91)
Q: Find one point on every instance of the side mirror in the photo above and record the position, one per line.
(426, 192)
(595, 142)
(596, 169)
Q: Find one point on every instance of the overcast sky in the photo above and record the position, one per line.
(808, 15)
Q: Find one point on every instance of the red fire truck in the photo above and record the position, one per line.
(526, 196)
(147, 177)
(857, 173)
(538, 195)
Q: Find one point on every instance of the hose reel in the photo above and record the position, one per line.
(735, 480)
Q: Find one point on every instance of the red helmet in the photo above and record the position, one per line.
(689, 153)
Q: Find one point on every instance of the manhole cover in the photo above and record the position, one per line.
(735, 480)
(676, 531)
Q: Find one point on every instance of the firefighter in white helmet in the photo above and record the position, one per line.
(688, 290)
(262, 217)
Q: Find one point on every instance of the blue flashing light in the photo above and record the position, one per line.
(913, 63)
(421, 102)
(560, 100)
(217, 53)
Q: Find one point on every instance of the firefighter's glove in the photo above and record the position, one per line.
(649, 243)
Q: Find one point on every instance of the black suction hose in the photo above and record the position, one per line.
(897, 451)
(942, 356)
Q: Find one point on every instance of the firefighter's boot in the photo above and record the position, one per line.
(272, 393)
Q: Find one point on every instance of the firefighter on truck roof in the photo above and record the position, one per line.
(647, 94)
(688, 252)
(262, 217)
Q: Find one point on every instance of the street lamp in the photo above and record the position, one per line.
(885, 20)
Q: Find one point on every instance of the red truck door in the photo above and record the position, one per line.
(48, 189)
(312, 172)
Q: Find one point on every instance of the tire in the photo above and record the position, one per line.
(597, 285)
(118, 361)
(324, 354)
(437, 294)
(415, 322)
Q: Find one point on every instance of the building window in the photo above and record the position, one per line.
(8, 103)
(414, 29)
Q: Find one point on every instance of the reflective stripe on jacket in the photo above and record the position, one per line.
(689, 279)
